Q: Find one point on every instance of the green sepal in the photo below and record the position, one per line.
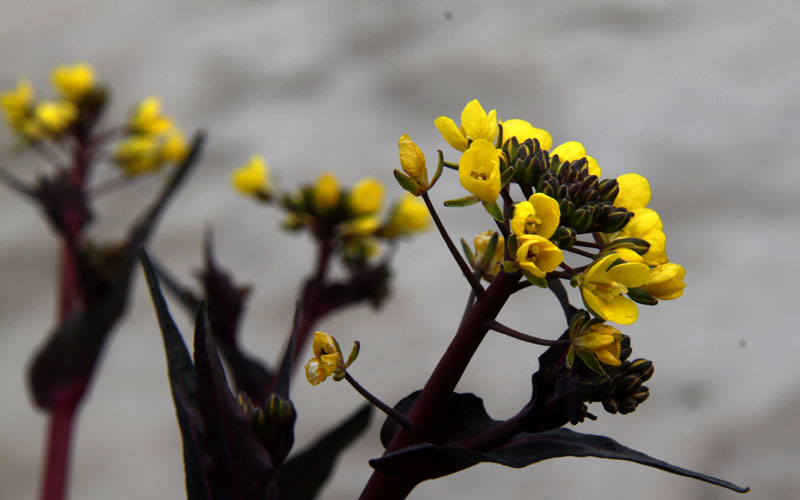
(512, 243)
(489, 253)
(641, 296)
(468, 252)
(494, 210)
(570, 358)
(462, 202)
(510, 266)
(535, 280)
(506, 176)
(637, 245)
(407, 183)
(439, 169)
(591, 361)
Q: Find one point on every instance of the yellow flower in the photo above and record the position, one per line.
(173, 148)
(634, 192)
(539, 215)
(523, 131)
(326, 192)
(361, 226)
(481, 243)
(252, 179)
(574, 151)
(603, 288)
(646, 225)
(138, 154)
(666, 281)
(537, 255)
(601, 340)
(475, 124)
(17, 103)
(479, 170)
(412, 160)
(73, 82)
(146, 117)
(327, 360)
(408, 216)
(55, 117)
(366, 197)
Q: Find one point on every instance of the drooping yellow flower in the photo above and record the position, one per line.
(475, 124)
(634, 192)
(523, 131)
(666, 281)
(481, 242)
(537, 255)
(603, 288)
(479, 170)
(55, 117)
(539, 215)
(252, 179)
(327, 360)
(146, 117)
(409, 215)
(599, 339)
(327, 192)
(366, 197)
(574, 151)
(73, 82)
(412, 160)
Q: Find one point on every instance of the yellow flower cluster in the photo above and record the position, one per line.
(153, 140)
(33, 121)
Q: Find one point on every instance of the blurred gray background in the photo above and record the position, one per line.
(700, 97)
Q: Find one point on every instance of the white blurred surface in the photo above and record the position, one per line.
(700, 97)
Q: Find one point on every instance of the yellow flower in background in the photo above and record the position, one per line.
(601, 340)
(481, 242)
(603, 288)
(327, 192)
(138, 154)
(412, 160)
(73, 82)
(523, 131)
(252, 179)
(666, 281)
(574, 151)
(173, 146)
(327, 360)
(537, 255)
(361, 226)
(366, 197)
(634, 192)
(18, 103)
(55, 117)
(539, 215)
(409, 215)
(475, 124)
(479, 170)
(146, 117)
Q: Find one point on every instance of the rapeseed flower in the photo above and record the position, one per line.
(73, 82)
(604, 285)
(366, 197)
(326, 192)
(523, 131)
(476, 124)
(539, 215)
(574, 151)
(537, 255)
(327, 360)
(252, 179)
(479, 170)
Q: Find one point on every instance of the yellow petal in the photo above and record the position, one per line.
(569, 151)
(523, 131)
(479, 170)
(594, 168)
(666, 281)
(366, 197)
(623, 310)
(412, 160)
(476, 123)
(634, 192)
(548, 212)
(451, 133)
(630, 274)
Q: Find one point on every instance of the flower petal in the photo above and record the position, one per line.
(451, 134)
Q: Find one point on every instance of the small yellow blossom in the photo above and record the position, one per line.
(409, 215)
(539, 215)
(481, 242)
(327, 192)
(479, 170)
(537, 255)
(475, 124)
(412, 160)
(600, 340)
(634, 192)
(361, 226)
(666, 281)
(366, 197)
(646, 225)
(138, 154)
(603, 288)
(55, 117)
(327, 360)
(73, 82)
(174, 147)
(574, 151)
(146, 117)
(18, 103)
(252, 179)
(523, 131)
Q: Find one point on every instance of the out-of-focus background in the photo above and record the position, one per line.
(702, 98)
